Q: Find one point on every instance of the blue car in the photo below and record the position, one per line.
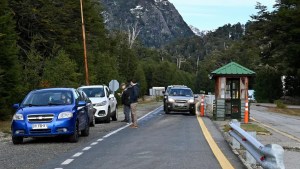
(51, 112)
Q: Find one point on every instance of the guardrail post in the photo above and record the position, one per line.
(249, 158)
(235, 143)
(273, 156)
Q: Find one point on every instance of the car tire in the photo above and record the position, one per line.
(167, 111)
(86, 132)
(192, 112)
(115, 115)
(107, 119)
(75, 136)
(17, 140)
(93, 122)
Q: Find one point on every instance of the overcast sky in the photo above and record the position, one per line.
(211, 14)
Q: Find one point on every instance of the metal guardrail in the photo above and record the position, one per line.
(269, 156)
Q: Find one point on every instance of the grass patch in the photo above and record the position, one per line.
(294, 112)
(5, 126)
(250, 127)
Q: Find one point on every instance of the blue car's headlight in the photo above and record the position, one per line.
(18, 117)
(65, 115)
(101, 103)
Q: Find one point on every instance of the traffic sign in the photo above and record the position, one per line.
(114, 85)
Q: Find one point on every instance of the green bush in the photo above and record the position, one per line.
(280, 104)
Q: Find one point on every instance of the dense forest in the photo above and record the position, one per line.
(41, 46)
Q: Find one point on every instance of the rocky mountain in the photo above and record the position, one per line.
(155, 22)
(196, 30)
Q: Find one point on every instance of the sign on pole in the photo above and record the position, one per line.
(114, 85)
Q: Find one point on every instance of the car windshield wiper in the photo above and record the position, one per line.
(30, 105)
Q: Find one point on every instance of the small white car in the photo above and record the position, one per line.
(103, 101)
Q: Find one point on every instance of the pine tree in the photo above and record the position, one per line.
(139, 76)
(9, 69)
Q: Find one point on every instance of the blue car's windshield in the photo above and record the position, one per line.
(48, 97)
(93, 92)
(181, 92)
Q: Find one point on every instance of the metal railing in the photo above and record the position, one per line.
(269, 156)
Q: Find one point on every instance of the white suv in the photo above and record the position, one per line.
(103, 101)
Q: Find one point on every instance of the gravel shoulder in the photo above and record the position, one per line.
(37, 151)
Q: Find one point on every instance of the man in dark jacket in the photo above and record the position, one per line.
(125, 98)
(134, 94)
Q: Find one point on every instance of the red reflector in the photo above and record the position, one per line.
(244, 139)
(262, 158)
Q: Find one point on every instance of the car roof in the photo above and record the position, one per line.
(91, 86)
(46, 89)
(181, 88)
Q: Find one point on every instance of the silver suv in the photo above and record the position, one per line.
(166, 93)
(180, 99)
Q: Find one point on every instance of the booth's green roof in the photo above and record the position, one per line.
(233, 68)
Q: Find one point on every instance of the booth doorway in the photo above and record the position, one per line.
(233, 102)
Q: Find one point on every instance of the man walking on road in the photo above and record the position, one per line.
(125, 97)
(134, 93)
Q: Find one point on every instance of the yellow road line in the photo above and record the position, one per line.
(278, 131)
(223, 161)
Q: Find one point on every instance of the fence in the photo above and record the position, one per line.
(269, 156)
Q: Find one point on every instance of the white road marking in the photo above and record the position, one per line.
(94, 143)
(86, 148)
(77, 154)
(116, 131)
(149, 113)
(68, 161)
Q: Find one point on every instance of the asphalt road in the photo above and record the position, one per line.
(162, 141)
(34, 153)
(282, 122)
(285, 132)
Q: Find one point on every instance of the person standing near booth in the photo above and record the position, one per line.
(125, 98)
(134, 93)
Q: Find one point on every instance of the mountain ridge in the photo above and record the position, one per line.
(156, 22)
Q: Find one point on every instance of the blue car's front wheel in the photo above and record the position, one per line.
(75, 136)
(17, 140)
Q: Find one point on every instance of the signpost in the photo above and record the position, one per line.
(114, 85)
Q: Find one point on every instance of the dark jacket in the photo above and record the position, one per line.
(134, 93)
(125, 98)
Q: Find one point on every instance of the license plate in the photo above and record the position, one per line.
(180, 105)
(39, 126)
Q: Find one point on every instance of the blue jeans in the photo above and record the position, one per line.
(126, 110)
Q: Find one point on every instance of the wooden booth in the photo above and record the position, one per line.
(231, 90)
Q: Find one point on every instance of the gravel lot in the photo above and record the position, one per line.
(35, 152)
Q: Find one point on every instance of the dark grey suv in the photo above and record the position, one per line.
(180, 99)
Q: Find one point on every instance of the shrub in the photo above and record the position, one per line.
(280, 104)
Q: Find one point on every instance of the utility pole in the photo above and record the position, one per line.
(84, 47)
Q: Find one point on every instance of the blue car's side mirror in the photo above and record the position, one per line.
(16, 106)
(81, 103)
